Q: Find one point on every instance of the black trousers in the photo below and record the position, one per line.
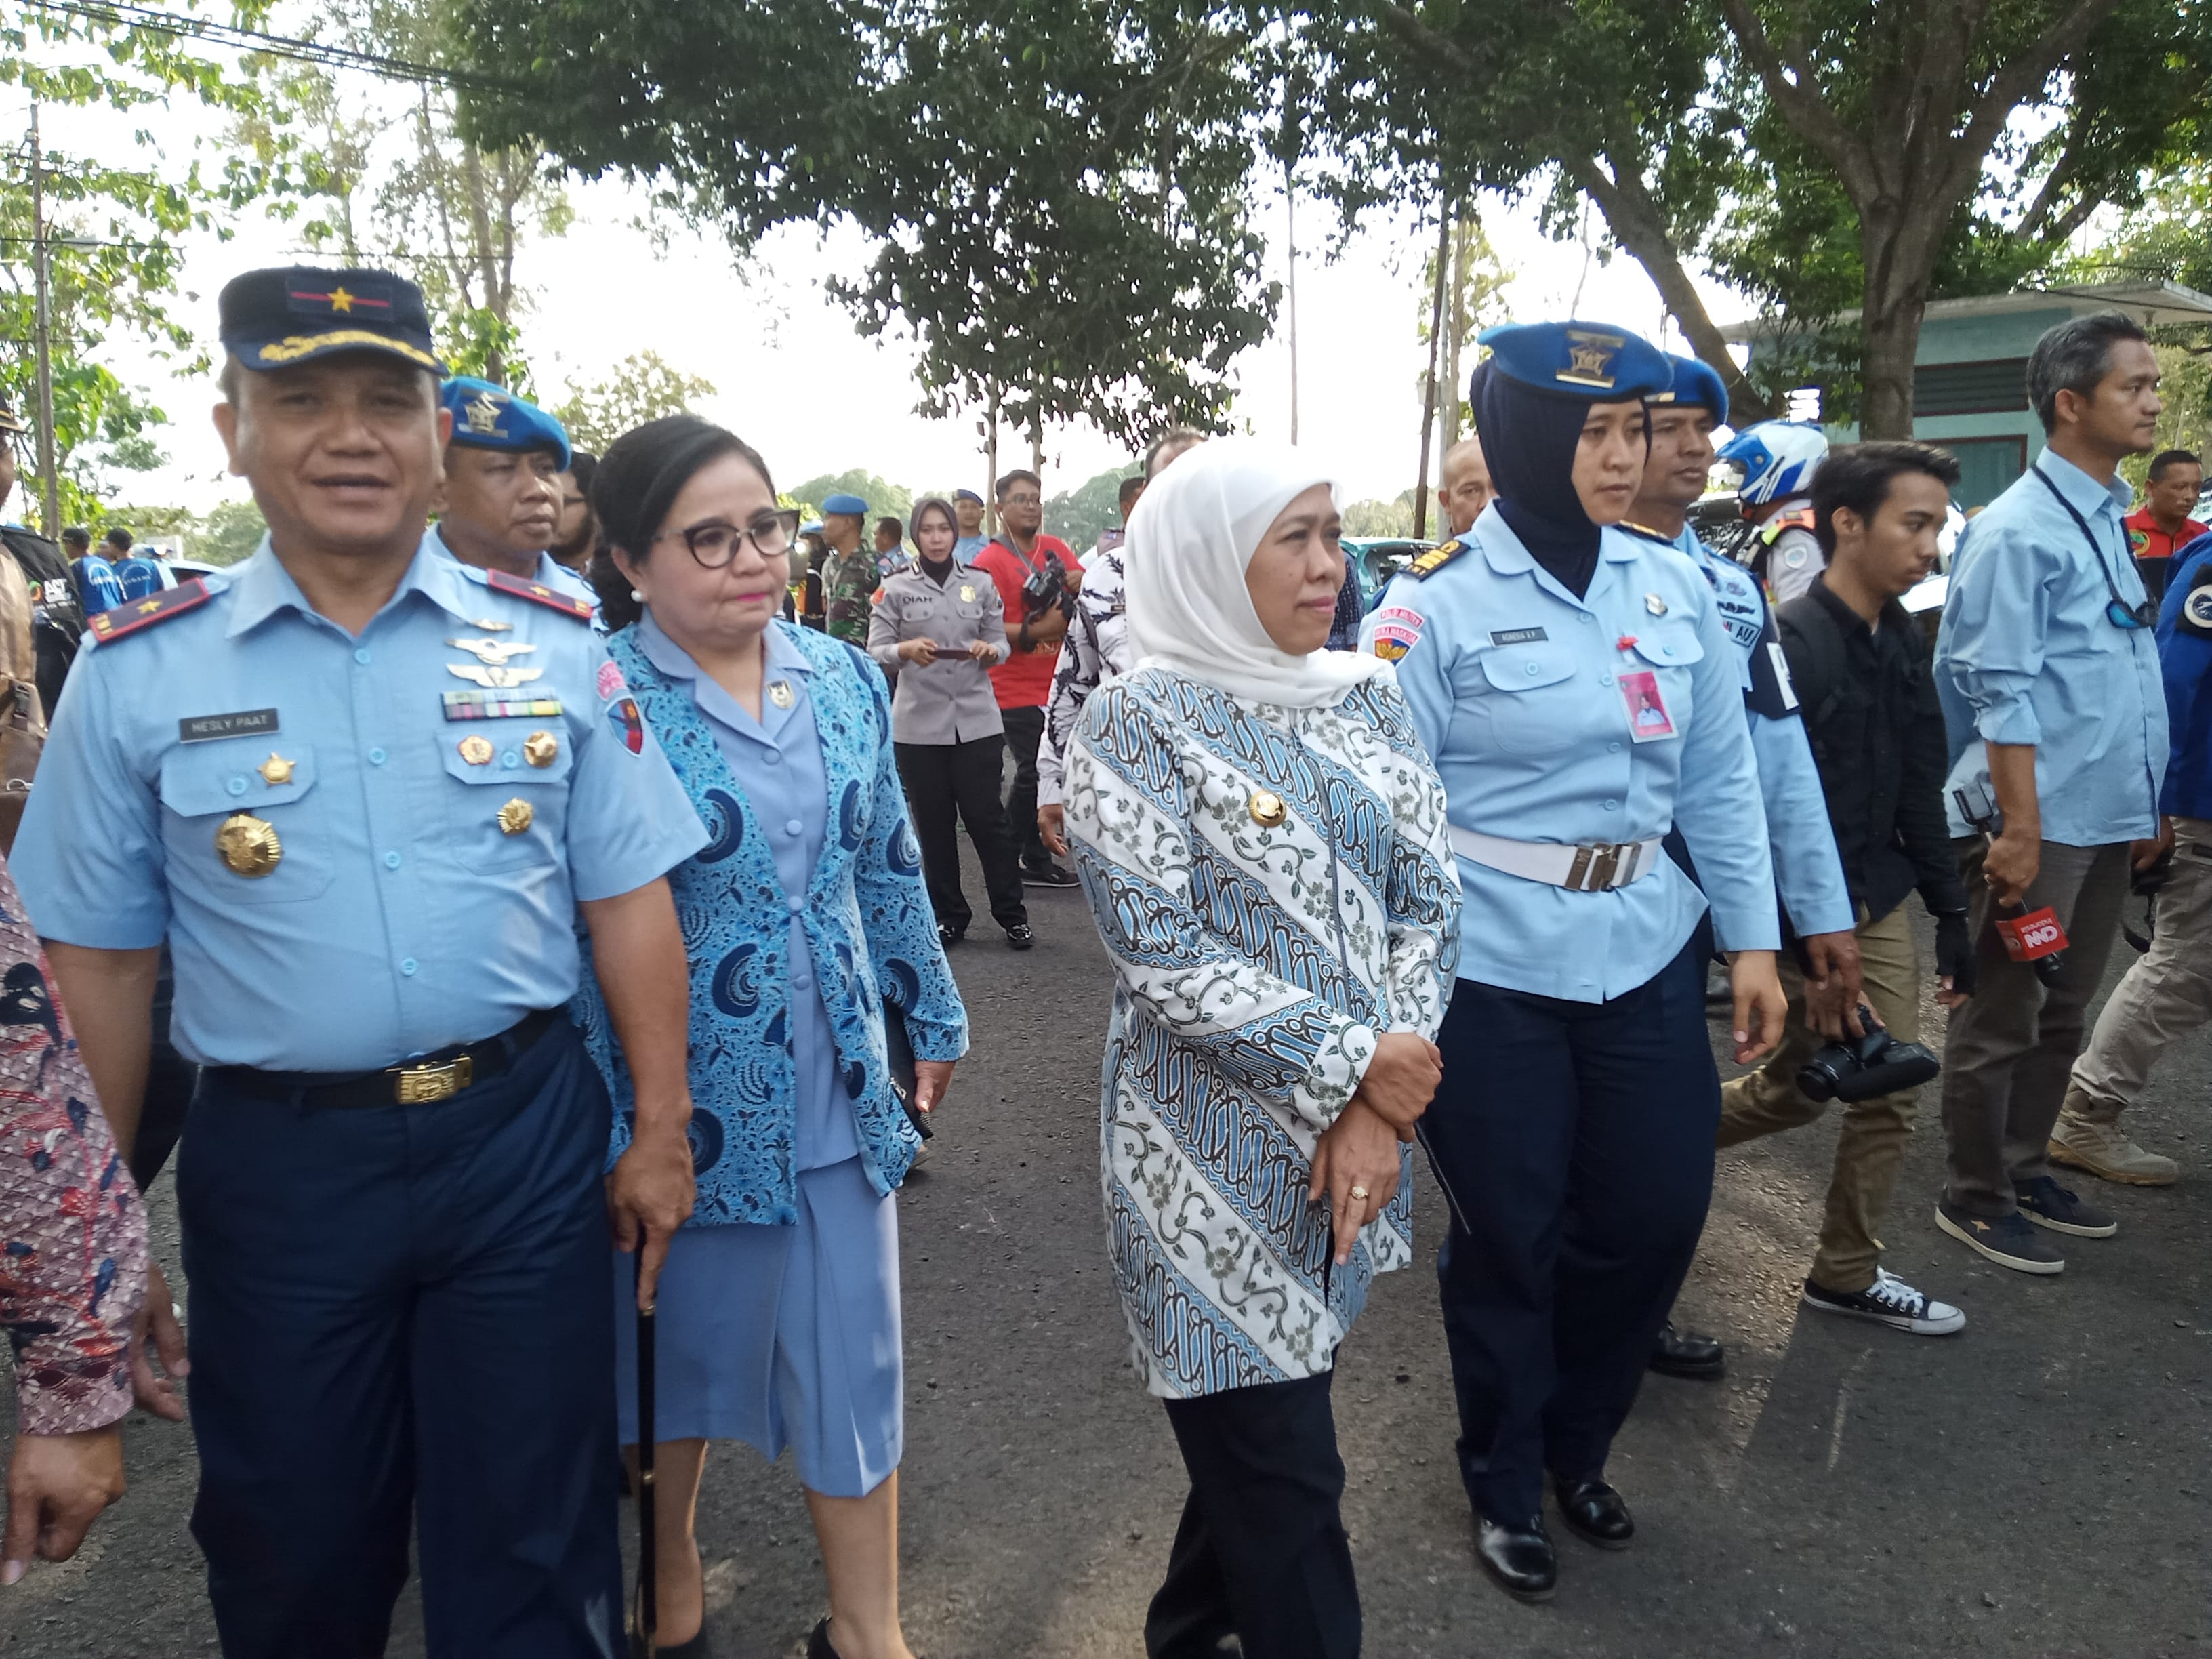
(1025, 732)
(1574, 1142)
(945, 778)
(400, 1316)
(1261, 1551)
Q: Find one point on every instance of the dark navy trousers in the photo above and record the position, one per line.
(1574, 1142)
(400, 1312)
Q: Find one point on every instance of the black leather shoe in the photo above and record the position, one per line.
(1520, 1559)
(1020, 936)
(1596, 1513)
(1678, 1354)
(949, 937)
(818, 1644)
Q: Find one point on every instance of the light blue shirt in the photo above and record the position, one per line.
(777, 762)
(1516, 688)
(550, 573)
(402, 917)
(965, 549)
(2027, 655)
(1798, 835)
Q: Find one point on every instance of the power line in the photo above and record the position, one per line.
(122, 16)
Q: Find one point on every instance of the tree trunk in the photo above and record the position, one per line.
(1455, 331)
(1898, 254)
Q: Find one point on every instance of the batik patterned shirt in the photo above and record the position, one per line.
(1276, 889)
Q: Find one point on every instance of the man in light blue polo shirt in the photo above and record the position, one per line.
(2049, 676)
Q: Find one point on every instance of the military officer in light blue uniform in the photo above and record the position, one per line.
(1814, 896)
(363, 790)
(1579, 693)
(500, 507)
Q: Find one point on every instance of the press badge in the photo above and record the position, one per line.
(1648, 719)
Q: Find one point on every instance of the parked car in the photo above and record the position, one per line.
(1378, 559)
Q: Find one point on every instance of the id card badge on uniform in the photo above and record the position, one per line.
(1648, 719)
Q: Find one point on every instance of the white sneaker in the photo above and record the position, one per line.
(2103, 1150)
(1888, 1301)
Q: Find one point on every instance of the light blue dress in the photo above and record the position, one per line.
(781, 1336)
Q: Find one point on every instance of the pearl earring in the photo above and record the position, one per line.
(637, 595)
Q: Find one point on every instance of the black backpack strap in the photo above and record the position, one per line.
(1815, 650)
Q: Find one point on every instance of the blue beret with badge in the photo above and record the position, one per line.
(1595, 361)
(1695, 382)
(848, 504)
(488, 416)
(274, 318)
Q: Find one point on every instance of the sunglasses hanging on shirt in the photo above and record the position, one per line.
(2118, 610)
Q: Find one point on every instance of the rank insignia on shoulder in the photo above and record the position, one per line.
(1427, 564)
(145, 613)
(539, 594)
(2196, 611)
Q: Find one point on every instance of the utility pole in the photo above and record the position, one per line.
(1429, 389)
(1454, 333)
(1290, 235)
(41, 335)
(991, 463)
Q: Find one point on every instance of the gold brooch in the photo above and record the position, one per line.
(1655, 604)
(541, 749)
(276, 769)
(476, 749)
(1267, 808)
(516, 816)
(248, 846)
(781, 694)
(967, 593)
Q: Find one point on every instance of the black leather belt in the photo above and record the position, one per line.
(434, 1077)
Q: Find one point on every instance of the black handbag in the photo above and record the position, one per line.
(900, 1052)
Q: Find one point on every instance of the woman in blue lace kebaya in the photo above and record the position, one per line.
(778, 1307)
(1262, 839)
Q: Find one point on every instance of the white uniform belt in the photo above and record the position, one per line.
(1596, 868)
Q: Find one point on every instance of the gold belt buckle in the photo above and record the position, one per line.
(419, 1086)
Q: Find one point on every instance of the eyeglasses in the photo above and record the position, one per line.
(1023, 501)
(715, 543)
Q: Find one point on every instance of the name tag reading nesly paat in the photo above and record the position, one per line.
(246, 723)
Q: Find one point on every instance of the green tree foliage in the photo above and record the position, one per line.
(114, 234)
(225, 534)
(643, 387)
(1377, 520)
(1056, 193)
(1080, 515)
(1825, 154)
(884, 499)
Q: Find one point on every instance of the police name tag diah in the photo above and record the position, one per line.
(246, 723)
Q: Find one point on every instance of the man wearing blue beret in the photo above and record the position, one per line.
(500, 506)
(849, 575)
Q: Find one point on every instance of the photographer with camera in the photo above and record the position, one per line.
(1862, 679)
(1036, 576)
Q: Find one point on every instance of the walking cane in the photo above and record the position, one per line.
(647, 1577)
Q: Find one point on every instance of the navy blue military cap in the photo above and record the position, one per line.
(272, 319)
(1695, 382)
(1592, 360)
(488, 416)
(966, 495)
(842, 503)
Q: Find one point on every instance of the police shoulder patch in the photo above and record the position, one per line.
(1426, 565)
(154, 608)
(2197, 610)
(539, 594)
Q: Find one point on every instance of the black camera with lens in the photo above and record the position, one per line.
(1046, 589)
(1859, 1067)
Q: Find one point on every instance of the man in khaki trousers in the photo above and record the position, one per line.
(1861, 677)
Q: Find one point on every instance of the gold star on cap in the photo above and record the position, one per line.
(276, 769)
(341, 301)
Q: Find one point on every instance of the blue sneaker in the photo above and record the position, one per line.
(2007, 1240)
(2047, 1203)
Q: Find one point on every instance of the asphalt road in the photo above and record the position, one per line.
(2039, 1484)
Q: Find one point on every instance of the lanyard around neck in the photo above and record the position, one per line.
(2138, 615)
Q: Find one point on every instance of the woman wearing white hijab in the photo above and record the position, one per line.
(1263, 842)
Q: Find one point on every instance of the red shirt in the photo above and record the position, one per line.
(2153, 549)
(1024, 679)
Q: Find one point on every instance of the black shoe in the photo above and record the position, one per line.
(2007, 1240)
(2047, 1203)
(1520, 1559)
(818, 1644)
(1021, 936)
(949, 937)
(1049, 875)
(1700, 1358)
(1595, 1512)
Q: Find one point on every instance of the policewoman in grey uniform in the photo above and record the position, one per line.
(363, 790)
(1579, 694)
(939, 630)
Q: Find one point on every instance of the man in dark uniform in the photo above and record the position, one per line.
(365, 791)
(56, 618)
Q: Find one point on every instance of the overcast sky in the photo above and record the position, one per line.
(793, 376)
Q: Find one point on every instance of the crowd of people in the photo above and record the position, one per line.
(526, 885)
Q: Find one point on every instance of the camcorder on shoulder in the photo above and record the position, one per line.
(1860, 1068)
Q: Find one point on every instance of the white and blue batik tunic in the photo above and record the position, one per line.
(1276, 889)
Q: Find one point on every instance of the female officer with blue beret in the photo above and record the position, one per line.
(1578, 693)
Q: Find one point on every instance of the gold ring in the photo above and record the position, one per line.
(1359, 1193)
